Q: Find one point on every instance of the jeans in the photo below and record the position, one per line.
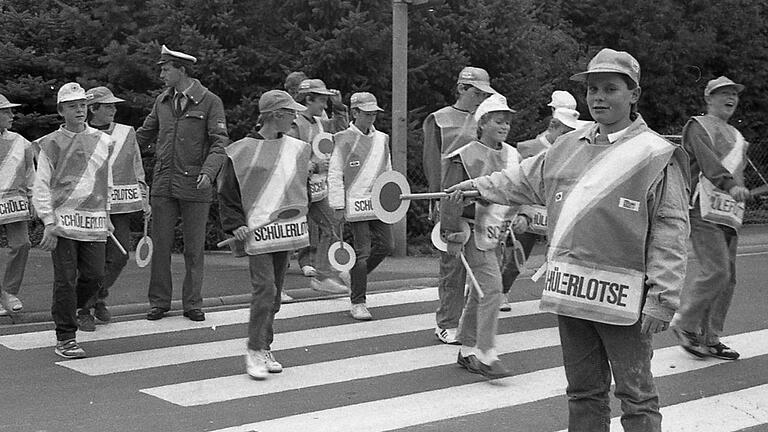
(320, 216)
(267, 277)
(18, 243)
(78, 274)
(704, 303)
(194, 215)
(450, 290)
(509, 271)
(114, 261)
(591, 351)
(480, 318)
(372, 241)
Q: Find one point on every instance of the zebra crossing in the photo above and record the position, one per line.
(387, 358)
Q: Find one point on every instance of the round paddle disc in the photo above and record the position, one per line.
(144, 251)
(385, 197)
(288, 213)
(322, 145)
(438, 240)
(341, 256)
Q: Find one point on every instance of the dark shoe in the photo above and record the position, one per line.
(155, 314)
(490, 371)
(85, 321)
(721, 351)
(467, 361)
(690, 343)
(101, 312)
(195, 315)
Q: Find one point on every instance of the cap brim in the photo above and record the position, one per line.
(316, 91)
(369, 108)
(9, 105)
(72, 99)
(739, 88)
(482, 87)
(582, 76)
(106, 100)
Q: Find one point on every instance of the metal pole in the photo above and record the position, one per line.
(399, 106)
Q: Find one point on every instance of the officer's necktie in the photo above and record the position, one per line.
(177, 102)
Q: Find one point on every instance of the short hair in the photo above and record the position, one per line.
(188, 70)
(293, 80)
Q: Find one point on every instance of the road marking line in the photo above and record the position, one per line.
(42, 339)
(420, 408)
(233, 387)
(137, 360)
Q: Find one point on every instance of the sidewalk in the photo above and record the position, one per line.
(227, 284)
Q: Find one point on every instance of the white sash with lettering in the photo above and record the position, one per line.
(358, 206)
(718, 206)
(14, 206)
(126, 197)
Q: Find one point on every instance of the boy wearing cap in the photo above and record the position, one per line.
(360, 155)
(18, 168)
(309, 124)
(72, 197)
(129, 195)
(270, 167)
(616, 196)
(445, 130)
(718, 155)
(187, 124)
(488, 226)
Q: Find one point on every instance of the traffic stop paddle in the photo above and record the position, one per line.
(282, 214)
(144, 248)
(439, 241)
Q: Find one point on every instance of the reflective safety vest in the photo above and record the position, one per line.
(457, 128)
(79, 182)
(127, 193)
(318, 184)
(273, 178)
(597, 201)
(491, 220)
(538, 216)
(365, 158)
(716, 205)
(15, 163)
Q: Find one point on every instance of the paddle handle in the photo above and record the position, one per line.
(436, 195)
(117, 243)
(231, 240)
(471, 275)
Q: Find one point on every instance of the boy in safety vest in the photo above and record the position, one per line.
(445, 130)
(617, 198)
(264, 175)
(72, 196)
(488, 229)
(129, 195)
(360, 155)
(313, 259)
(718, 156)
(18, 175)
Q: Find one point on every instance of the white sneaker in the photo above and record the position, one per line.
(273, 366)
(309, 271)
(328, 285)
(360, 312)
(285, 297)
(447, 336)
(3, 312)
(256, 364)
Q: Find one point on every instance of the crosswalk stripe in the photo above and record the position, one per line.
(241, 386)
(727, 412)
(424, 407)
(137, 360)
(43, 339)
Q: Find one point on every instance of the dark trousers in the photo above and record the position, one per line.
(267, 277)
(194, 215)
(114, 261)
(78, 274)
(509, 271)
(372, 241)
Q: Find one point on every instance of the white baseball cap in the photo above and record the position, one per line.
(71, 91)
(569, 117)
(492, 103)
(364, 101)
(5, 103)
(562, 99)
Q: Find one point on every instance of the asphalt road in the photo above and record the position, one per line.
(387, 374)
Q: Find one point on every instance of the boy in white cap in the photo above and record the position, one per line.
(446, 130)
(718, 154)
(488, 226)
(18, 168)
(616, 195)
(129, 195)
(360, 155)
(313, 260)
(269, 167)
(72, 197)
(562, 99)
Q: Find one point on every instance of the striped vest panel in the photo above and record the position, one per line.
(14, 205)
(126, 193)
(367, 156)
(318, 182)
(457, 128)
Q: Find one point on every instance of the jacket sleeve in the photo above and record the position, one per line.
(29, 162)
(449, 219)
(41, 194)
(146, 135)
(667, 251)
(431, 154)
(230, 202)
(520, 184)
(217, 137)
(336, 192)
(704, 159)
